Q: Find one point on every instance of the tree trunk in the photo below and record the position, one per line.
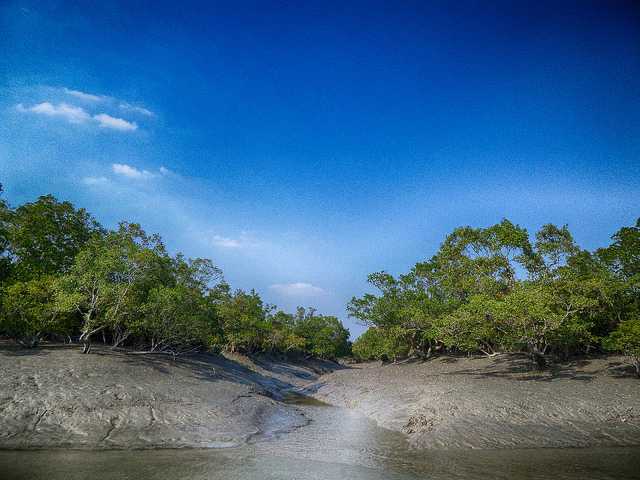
(538, 358)
(119, 337)
(429, 351)
(85, 338)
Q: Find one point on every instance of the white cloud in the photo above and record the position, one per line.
(73, 114)
(68, 112)
(130, 172)
(297, 289)
(244, 241)
(121, 104)
(224, 242)
(87, 97)
(95, 180)
(127, 107)
(133, 172)
(107, 121)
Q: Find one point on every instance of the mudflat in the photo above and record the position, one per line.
(499, 402)
(57, 397)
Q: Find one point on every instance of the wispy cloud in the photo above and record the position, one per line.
(225, 242)
(87, 97)
(95, 180)
(243, 241)
(297, 289)
(122, 105)
(127, 107)
(62, 110)
(114, 123)
(129, 171)
(92, 109)
(77, 115)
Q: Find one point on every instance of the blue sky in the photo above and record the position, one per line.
(303, 145)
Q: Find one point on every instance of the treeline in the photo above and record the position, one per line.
(63, 276)
(494, 289)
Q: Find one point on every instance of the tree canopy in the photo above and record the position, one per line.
(63, 275)
(494, 289)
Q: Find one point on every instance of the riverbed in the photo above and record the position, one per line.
(337, 443)
(113, 416)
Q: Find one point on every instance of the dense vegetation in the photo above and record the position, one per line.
(494, 290)
(63, 276)
(486, 290)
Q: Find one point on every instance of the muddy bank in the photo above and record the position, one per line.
(56, 397)
(494, 402)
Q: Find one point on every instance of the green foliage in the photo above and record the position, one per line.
(626, 339)
(110, 278)
(622, 258)
(249, 326)
(325, 336)
(485, 289)
(479, 261)
(243, 318)
(527, 317)
(554, 246)
(29, 311)
(280, 336)
(472, 327)
(175, 319)
(381, 344)
(623, 255)
(45, 236)
(61, 273)
(491, 289)
(379, 311)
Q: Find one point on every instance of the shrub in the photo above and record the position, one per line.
(626, 339)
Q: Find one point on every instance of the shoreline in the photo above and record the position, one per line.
(494, 403)
(57, 398)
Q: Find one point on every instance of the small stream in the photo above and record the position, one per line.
(337, 444)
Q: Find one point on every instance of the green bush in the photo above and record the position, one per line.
(495, 289)
(626, 339)
(61, 273)
(381, 344)
(29, 311)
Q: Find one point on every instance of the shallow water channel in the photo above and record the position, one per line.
(337, 444)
